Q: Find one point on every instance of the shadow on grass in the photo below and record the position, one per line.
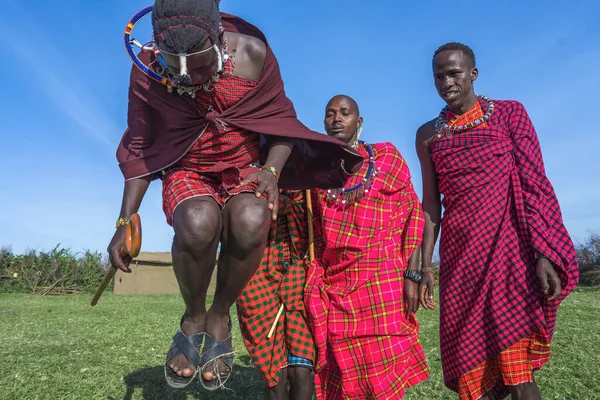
(244, 382)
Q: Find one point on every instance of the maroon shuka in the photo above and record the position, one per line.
(162, 126)
(499, 211)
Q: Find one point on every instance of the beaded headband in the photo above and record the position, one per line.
(130, 42)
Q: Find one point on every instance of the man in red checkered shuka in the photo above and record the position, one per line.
(506, 259)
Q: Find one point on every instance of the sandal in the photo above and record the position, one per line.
(188, 346)
(215, 351)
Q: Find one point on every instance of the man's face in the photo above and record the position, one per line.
(341, 119)
(201, 67)
(454, 73)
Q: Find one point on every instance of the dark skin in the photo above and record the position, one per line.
(342, 121)
(200, 224)
(301, 383)
(454, 74)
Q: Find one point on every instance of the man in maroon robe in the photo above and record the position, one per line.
(223, 137)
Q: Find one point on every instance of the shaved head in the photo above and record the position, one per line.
(343, 96)
(342, 118)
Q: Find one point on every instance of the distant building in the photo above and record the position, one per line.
(151, 273)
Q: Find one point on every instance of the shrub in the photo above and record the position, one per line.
(58, 267)
(588, 255)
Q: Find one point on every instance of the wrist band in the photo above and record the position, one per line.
(272, 170)
(122, 222)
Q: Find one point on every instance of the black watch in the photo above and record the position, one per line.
(413, 274)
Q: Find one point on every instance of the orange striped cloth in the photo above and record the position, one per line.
(472, 114)
(514, 366)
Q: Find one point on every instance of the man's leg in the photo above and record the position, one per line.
(302, 383)
(517, 371)
(525, 391)
(483, 377)
(279, 391)
(246, 222)
(197, 223)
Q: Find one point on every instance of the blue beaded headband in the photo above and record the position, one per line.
(130, 42)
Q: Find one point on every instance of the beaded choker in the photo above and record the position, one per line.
(351, 195)
(209, 85)
(443, 128)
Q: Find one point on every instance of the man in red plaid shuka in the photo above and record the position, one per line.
(360, 307)
(506, 259)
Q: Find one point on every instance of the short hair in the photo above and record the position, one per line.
(182, 26)
(456, 46)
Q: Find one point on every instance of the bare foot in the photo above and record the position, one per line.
(217, 326)
(180, 364)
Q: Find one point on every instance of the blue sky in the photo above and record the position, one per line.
(64, 103)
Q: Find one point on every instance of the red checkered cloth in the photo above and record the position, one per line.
(500, 210)
(512, 366)
(279, 279)
(367, 347)
(221, 156)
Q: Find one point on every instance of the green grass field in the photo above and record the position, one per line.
(61, 348)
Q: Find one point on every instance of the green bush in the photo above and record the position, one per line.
(588, 255)
(58, 267)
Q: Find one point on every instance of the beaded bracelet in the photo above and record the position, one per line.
(122, 222)
(272, 170)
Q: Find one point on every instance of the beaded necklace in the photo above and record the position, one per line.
(351, 195)
(443, 128)
(208, 86)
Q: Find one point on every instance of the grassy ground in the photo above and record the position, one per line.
(61, 348)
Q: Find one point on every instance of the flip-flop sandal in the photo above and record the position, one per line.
(216, 351)
(188, 346)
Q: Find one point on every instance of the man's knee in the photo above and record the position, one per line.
(249, 223)
(197, 224)
(300, 375)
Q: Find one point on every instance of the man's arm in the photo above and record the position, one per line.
(432, 206)
(138, 135)
(530, 165)
(267, 177)
(250, 55)
(432, 210)
(134, 192)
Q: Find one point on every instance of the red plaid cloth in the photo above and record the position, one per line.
(366, 346)
(279, 279)
(500, 210)
(512, 367)
(221, 156)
